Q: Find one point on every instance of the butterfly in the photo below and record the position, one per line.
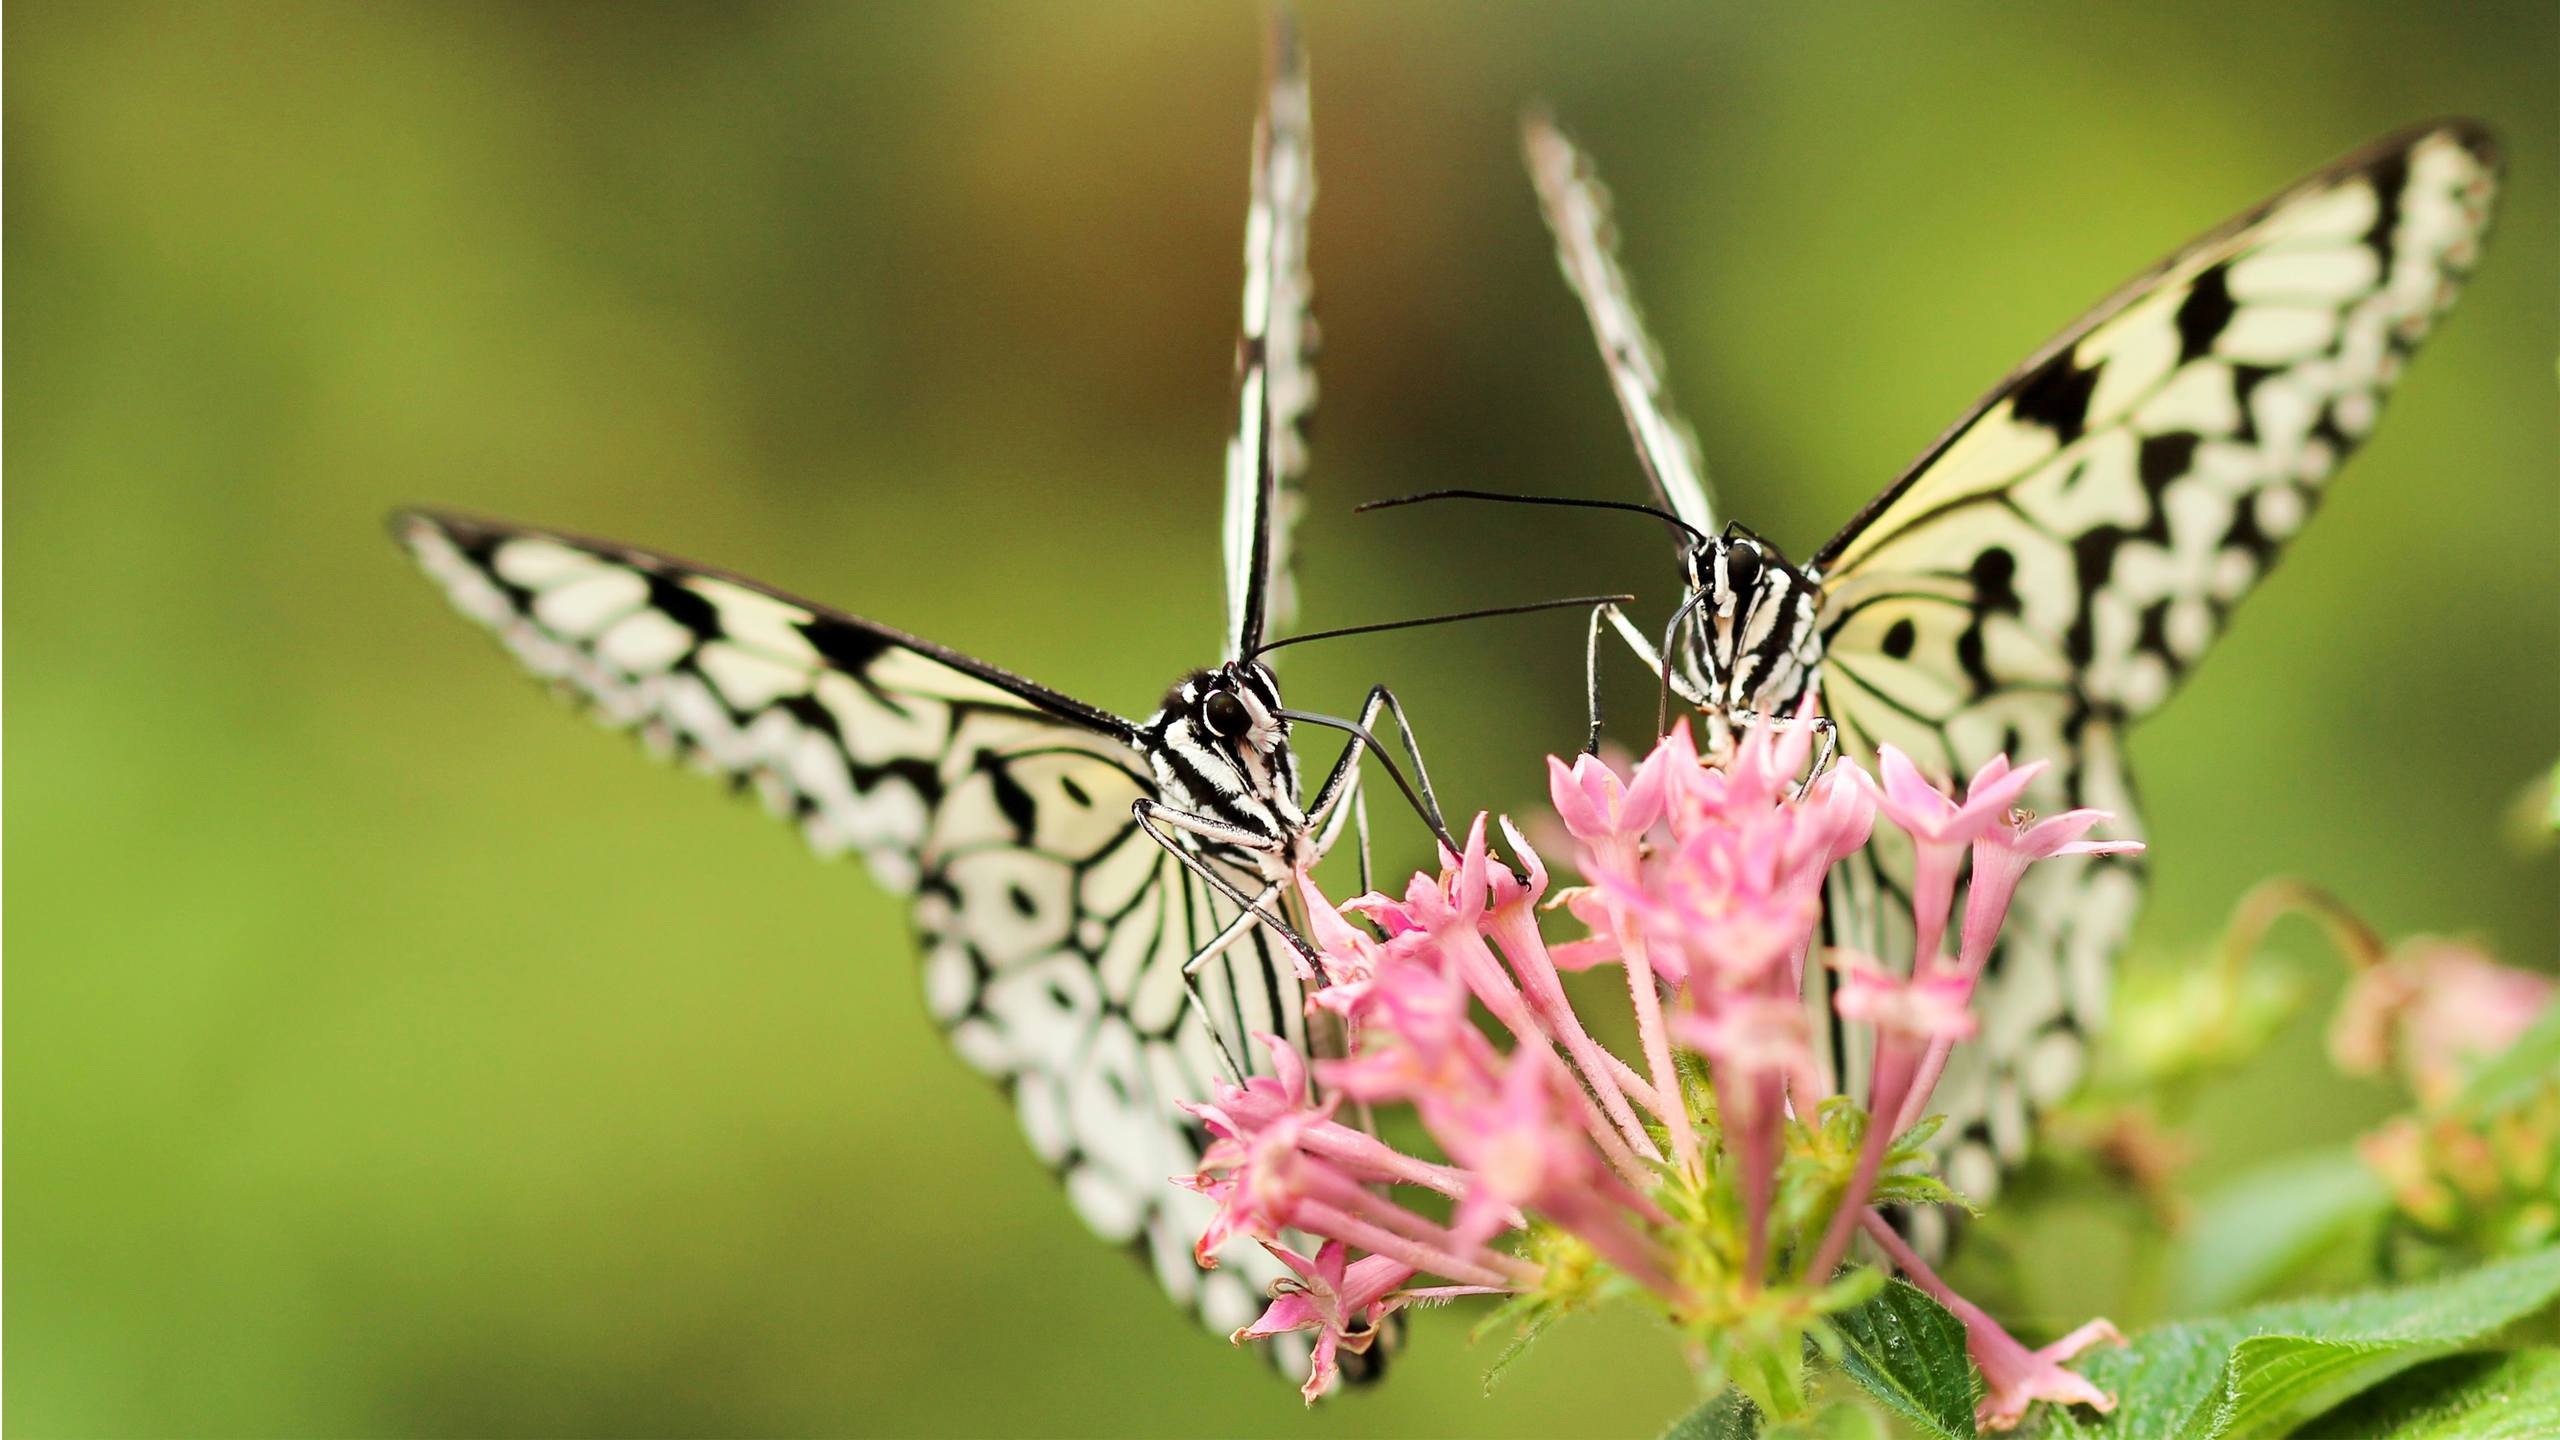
(2049, 569)
(1094, 896)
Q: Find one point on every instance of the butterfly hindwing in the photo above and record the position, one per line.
(1053, 931)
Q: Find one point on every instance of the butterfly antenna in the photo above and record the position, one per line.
(1570, 602)
(1429, 813)
(1571, 502)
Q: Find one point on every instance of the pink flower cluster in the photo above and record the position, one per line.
(1703, 884)
(2431, 1011)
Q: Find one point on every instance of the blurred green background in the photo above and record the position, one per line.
(388, 1054)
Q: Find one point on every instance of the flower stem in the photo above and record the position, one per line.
(1486, 1268)
(2259, 910)
(1644, 995)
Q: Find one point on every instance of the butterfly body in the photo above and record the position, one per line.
(1753, 644)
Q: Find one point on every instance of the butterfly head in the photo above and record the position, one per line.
(1237, 706)
(1223, 750)
(1753, 643)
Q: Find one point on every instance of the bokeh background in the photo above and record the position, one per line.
(387, 1053)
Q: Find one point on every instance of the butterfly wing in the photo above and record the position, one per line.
(1275, 358)
(1054, 932)
(1577, 209)
(2049, 569)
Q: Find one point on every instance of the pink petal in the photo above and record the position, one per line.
(2016, 1378)
(1288, 1312)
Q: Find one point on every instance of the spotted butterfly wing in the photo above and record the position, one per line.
(1056, 931)
(1053, 932)
(2062, 556)
(2052, 566)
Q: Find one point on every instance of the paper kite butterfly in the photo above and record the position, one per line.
(2053, 565)
(1088, 891)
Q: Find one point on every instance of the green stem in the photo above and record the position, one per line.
(1780, 1393)
(2359, 944)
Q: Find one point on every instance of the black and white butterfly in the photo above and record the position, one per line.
(2048, 570)
(1094, 896)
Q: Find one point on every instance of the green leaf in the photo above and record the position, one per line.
(2272, 1221)
(1732, 1416)
(1729, 1416)
(1914, 1142)
(1909, 1353)
(2511, 1395)
(2275, 1382)
(2264, 1371)
(1917, 1189)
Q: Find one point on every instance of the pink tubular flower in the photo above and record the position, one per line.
(1722, 902)
(1759, 1049)
(1912, 1016)
(1920, 1017)
(1512, 925)
(1600, 810)
(1559, 1172)
(1273, 1152)
(1343, 1302)
(1841, 813)
(2001, 855)
(2432, 1010)
(1348, 956)
(1756, 1040)
(1523, 1152)
(1923, 1007)
(1941, 830)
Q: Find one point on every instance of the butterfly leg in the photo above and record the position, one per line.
(1344, 778)
(1217, 947)
(1153, 817)
(1180, 833)
(1635, 640)
(1329, 814)
(1826, 736)
(1360, 822)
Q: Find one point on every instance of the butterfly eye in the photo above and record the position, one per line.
(1698, 563)
(1742, 567)
(1225, 715)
